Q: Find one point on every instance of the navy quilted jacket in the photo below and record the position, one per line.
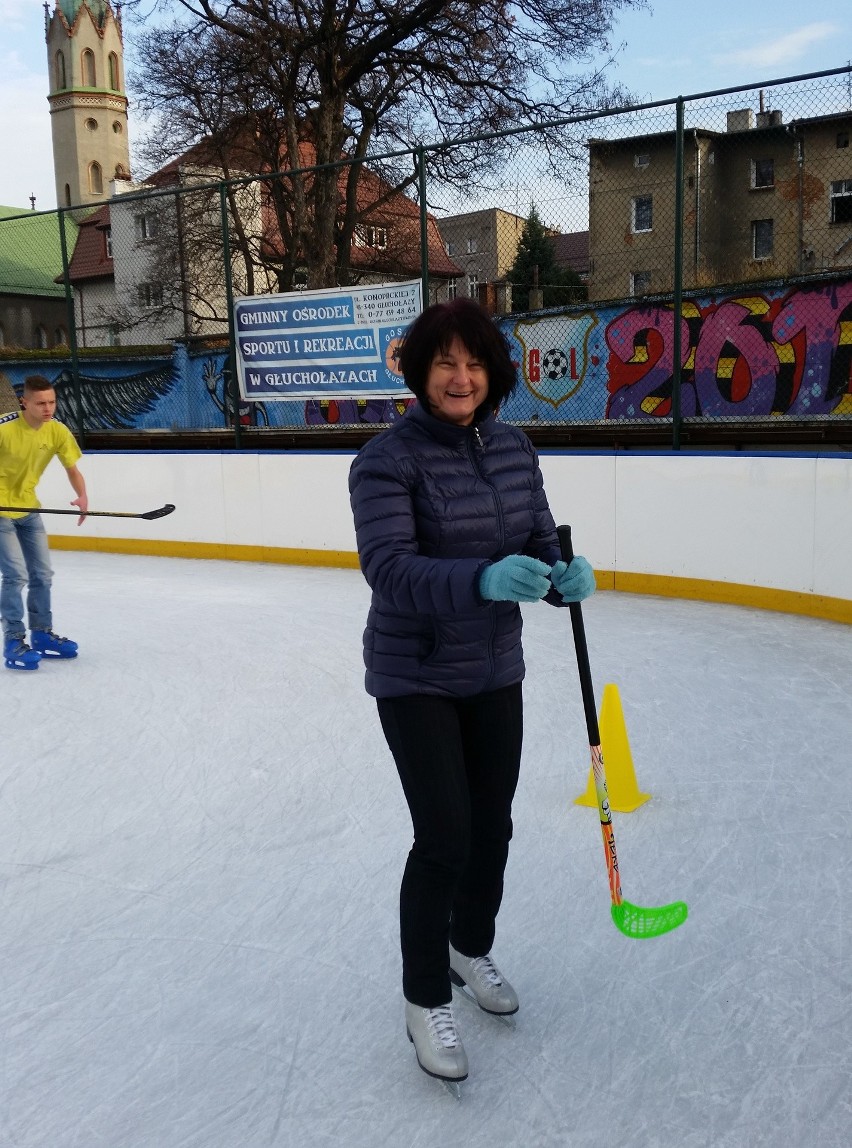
(434, 503)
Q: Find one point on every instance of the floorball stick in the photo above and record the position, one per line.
(160, 512)
(632, 920)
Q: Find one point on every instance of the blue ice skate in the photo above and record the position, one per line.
(17, 655)
(50, 645)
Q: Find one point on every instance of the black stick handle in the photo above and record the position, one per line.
(563, 533)
(160, 512)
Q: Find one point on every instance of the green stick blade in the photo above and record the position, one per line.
(636, 922)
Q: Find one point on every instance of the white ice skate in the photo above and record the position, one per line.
(437, 1043)
(480, 979)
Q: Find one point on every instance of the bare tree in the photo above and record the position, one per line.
(275, 86)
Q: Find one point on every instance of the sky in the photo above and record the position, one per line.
(673, 48)
(202, 836)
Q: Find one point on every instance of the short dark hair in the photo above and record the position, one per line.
(37, 383)
(433, 331)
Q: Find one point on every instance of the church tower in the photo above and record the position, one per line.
(88, 104)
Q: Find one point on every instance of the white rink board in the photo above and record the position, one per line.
(776, 521)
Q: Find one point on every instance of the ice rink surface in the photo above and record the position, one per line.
(201, 839)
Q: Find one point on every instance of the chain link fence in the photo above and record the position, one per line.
(675, 264)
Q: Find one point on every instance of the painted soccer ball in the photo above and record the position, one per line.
(554, 365)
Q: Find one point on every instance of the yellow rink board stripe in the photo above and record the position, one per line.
(697, 589)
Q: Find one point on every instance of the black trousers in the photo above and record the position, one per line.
(458, 761)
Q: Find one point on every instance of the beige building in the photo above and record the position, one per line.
(761, 200)
(88, 104)
(483, 244)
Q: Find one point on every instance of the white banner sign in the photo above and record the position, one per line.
(333, 343)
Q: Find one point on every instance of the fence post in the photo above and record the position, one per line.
(232, 389)
(71, 319)
(678, 277)
(424, 224)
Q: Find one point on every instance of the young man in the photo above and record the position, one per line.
(27, 444)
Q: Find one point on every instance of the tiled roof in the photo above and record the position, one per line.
(378, 204)
(31, 252)
(90, 259)
(572, 250)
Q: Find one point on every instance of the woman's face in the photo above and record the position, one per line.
(456, 385)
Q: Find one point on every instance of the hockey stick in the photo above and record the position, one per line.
(160, 512)
(632, 920)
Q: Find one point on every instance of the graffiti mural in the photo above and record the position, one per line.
(750, 355)
(352, 412)
(772, 352)
(216, 380)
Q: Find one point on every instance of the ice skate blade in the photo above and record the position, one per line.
(505, 1018)
(452, 1084)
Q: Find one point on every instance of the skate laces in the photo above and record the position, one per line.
(442, 1025)
(486, 970)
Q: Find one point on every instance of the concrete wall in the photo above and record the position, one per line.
(762, 530)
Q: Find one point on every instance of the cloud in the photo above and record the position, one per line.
(784, 50)
(18, 14)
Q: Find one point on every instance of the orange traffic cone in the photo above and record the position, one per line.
(624, 795)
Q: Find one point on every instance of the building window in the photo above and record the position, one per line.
(2, 336)
(640, 282)
(60, 337)
(761, 238)
(451, 247)
(841, 201)
(473, 286)
(108, 242)
(472, 245)
(113, 71)
(67, 194)
(763, 173)
(114, 335)
(452, 289)
(96, 179)
(150, 295)
(60, 70)
(146, 227)
(89, 77)
(643, 213)
(369, 236)
(641, 161)
(843, 139)
(91, 125)
(41, 338)
(116, 127)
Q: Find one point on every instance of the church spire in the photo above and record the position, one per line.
(88, 103)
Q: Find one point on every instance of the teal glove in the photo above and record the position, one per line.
(517, 578)
(574, 582)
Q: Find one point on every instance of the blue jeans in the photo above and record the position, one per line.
(24, 561)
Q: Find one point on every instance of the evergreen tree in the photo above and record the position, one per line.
(535, 264)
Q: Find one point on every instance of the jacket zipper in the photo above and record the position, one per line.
(476, 446)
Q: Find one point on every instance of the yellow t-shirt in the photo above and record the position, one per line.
(24, 455)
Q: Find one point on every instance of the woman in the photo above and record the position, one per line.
(453, 531)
